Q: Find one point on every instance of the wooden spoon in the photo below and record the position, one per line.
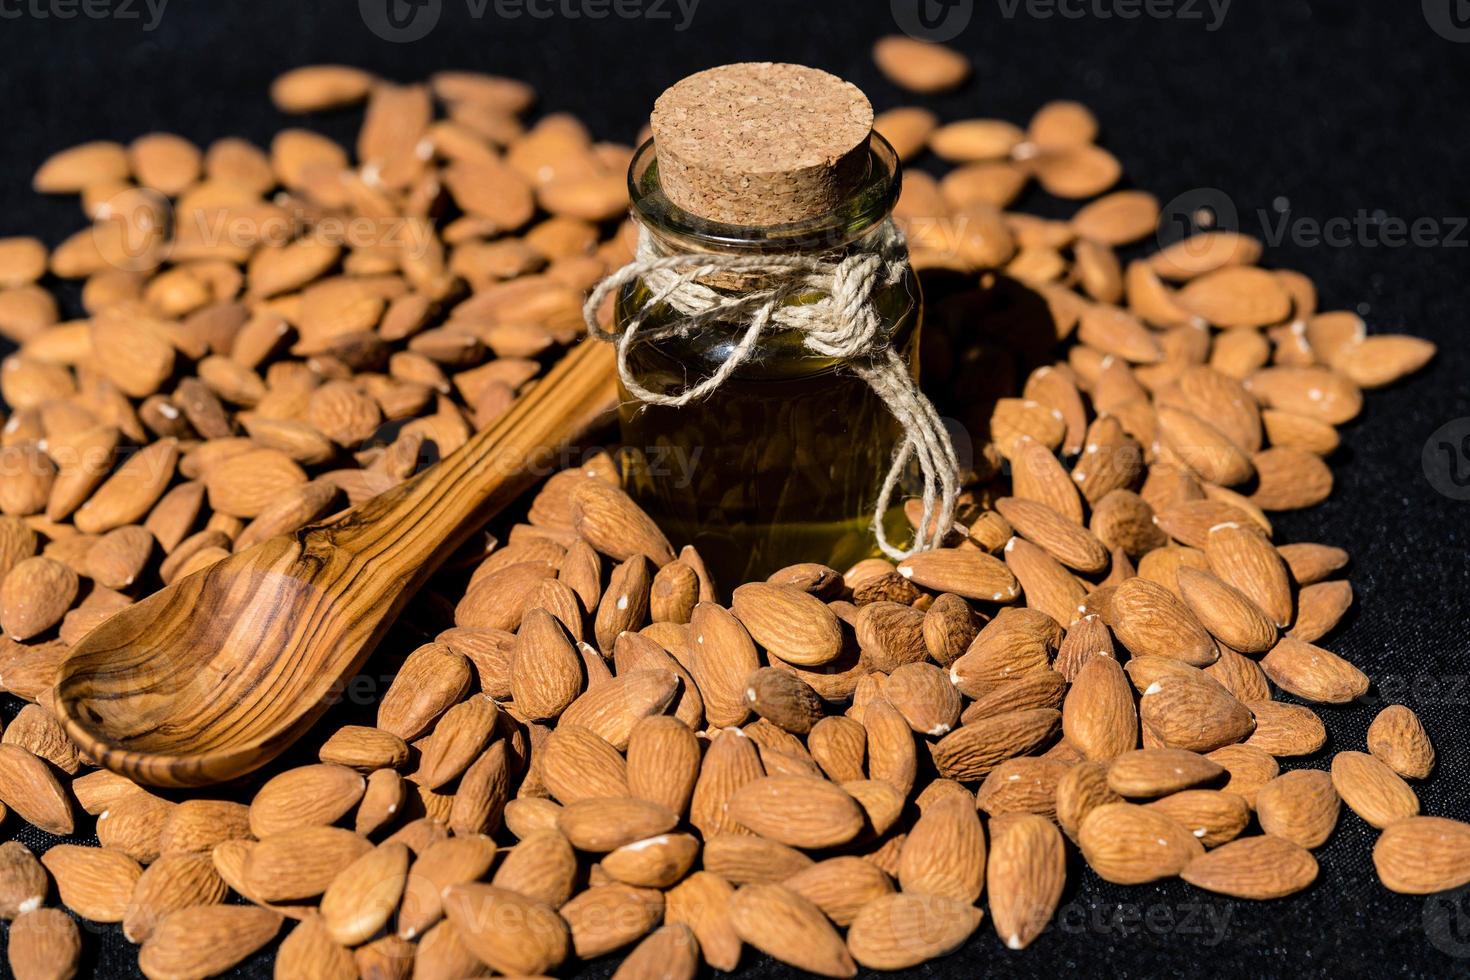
(218, 673)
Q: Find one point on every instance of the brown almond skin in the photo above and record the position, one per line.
(1372, 790)
(796, 810)
(1149, 620)
(944, 854)
(1422, 855)
(782, 924)
(1159, 772)
(1098, 716)
(1129, 844)
(1024, 876)
(44, 944)
(790, 623)
(899, 931)
(1260, 868)
(1300, 805)
(1398, 738)
(1313, 673)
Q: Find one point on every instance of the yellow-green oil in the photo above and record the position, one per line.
(783, 463)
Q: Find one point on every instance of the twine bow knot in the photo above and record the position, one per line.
(841, 322)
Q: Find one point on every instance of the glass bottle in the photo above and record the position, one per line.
(784, 461)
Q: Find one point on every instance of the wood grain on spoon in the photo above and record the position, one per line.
(217, 674)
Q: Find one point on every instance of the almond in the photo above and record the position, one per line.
(787, 927)
(28, 787)
(205, 940)
(1025, 876)
(300, 863)
(1130, 845)
(541, 868)
(614, 708)
(899, 931)
(43, 943)
(431, 680)
(1372, 790)
(601, 825)
(1159, 772)
(611, 522)
(308, 796)
(944, 854)
(1242, 558)
(702, 902)
(308, 950)
(195, 826)
(1398, 738)
(175, 881)
(840, 886)
(1301, 806)
(23, 882)
(742, 859)
(364, 894)
(1098, 716)
(1313, 673)
(663, 762)
(1422, 855)
(1320, 607)
(1258, 868)
(506, 931)
(1187, 712)
(95, 883)
(918, 66)
(1249, 769)
(670, 951)
(364, 749)
(34, 595)
(967, 573)
(1286, 729)
(724, 656)
(577, 765)
(608, 917)
(791, 624)
(795, 810)
(1150, 621)
(1212, 816)
(458, 738)
(971, 751)
(1083, 788)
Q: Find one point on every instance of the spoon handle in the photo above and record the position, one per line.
(419, 522)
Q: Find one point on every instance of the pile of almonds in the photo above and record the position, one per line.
(606, 753)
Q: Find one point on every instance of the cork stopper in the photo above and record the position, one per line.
(761, 143)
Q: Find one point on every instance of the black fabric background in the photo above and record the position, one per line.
(1336, 108)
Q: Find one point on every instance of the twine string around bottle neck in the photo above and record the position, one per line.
(840, 323)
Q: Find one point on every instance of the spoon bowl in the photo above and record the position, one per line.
(215, 675)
